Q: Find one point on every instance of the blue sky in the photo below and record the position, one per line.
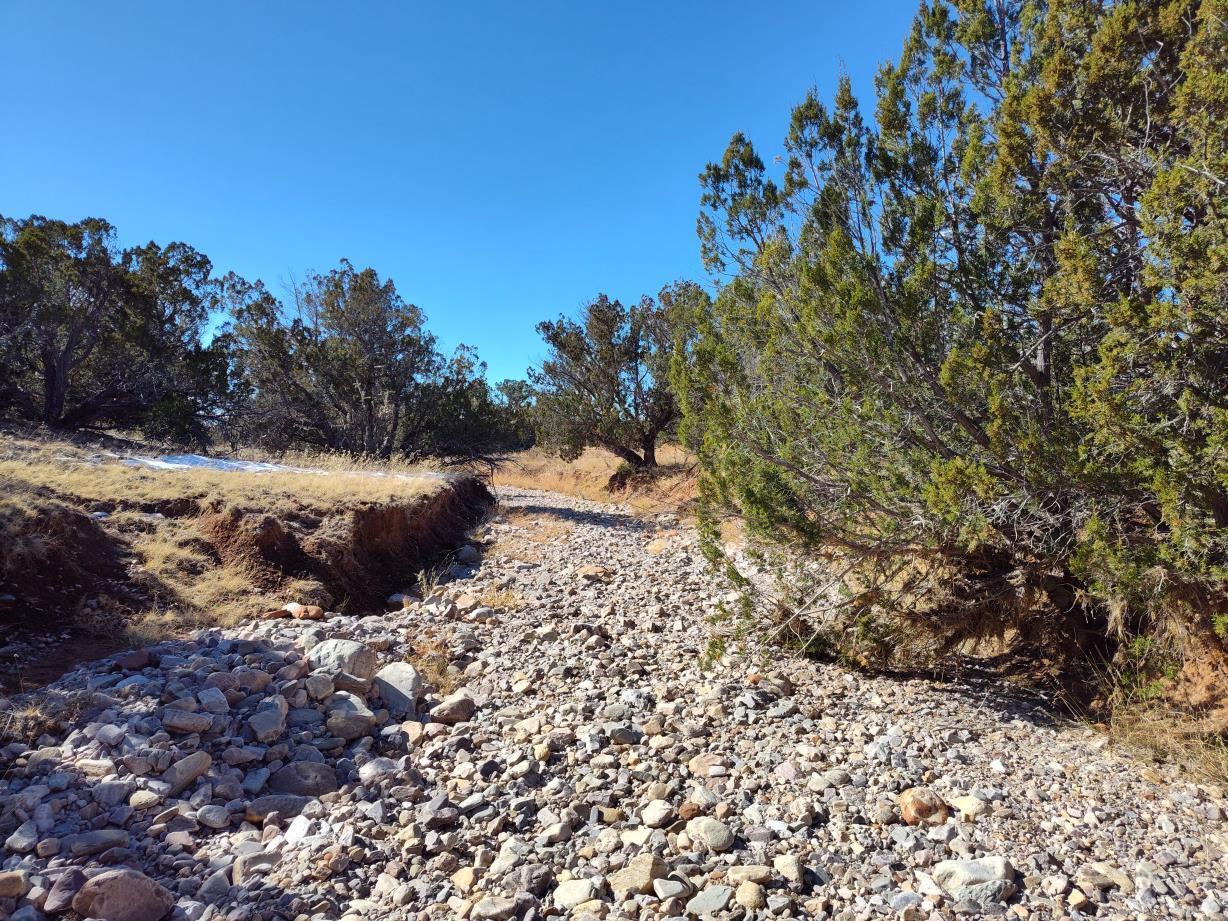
(501, 162)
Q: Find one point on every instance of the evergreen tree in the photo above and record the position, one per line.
(975, 351)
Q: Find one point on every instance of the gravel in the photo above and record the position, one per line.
(586, 756)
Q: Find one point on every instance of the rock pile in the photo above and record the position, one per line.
(574, 752)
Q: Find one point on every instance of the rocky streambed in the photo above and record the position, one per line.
(546, 736)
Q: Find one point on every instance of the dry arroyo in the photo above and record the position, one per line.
(546, 736)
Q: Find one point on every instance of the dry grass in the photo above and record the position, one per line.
(40, 714)
(537, 527)
(672, 490)
(1167, 735)
(503, 598)
(431, 659)
(92, 476)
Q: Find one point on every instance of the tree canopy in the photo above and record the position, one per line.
(91, 334)
(605, 382)
(974, 347)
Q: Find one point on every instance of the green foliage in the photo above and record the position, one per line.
(605, 382)
(355, 370)
(92, 335)
(977, 344)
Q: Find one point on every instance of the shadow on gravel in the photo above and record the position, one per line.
(597, 519)
(988, 689)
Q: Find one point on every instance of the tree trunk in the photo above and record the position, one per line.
(55, 385)
(626, 454)
(649, 451)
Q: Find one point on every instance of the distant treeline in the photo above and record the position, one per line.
(150, 339)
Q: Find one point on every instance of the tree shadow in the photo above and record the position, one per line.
(620, 520)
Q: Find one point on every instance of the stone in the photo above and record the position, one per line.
(304, 778)
(456, 708)
(711, 833)
(213, 816)
(216, 887)
(790, 867)
(22, 840)
(750, 895)
(95, 842)
(494, 908)
(248, 866)
(657, 814)
(574, 892)
(377, 769)
(183, 773)
(144, 799)
(123, 895)
(213, 700)
(65, 887)
(399, 686)
(348, 716)
(953, 875)
(335, 656)
(970, 807)
(288, 805)
(1101, 876)
(756, 873)
(637, 877)
(183, 722)
(14, 884)
(922, 806)
(267, 724)
(709, 900)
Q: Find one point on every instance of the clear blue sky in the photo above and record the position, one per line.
(502, 162)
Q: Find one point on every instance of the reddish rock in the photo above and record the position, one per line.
(922, 806)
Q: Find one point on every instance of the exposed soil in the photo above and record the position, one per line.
(70, 582)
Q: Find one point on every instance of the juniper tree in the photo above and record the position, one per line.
(605, 382)
(975, 349)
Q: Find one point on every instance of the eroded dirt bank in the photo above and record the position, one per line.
(78, 573)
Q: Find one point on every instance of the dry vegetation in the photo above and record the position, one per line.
(87, 540)
(670, 489)
(1168, 735)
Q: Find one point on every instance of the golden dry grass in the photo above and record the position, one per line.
(1167, 735)
(672, 490)
(430, 656)
(503, 598)
(103, 477)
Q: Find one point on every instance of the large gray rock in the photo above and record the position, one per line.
(304, 778)
(183, 772)
(348, 717)
(287, 805)
(268, 723)
(575, 892)
(95, 842)
(22, 840)
(65, 888)
(954, 875)
(182, 721)
(709, 901)
(712, 833)
(399, 686)
(335, 656)
(457, 708)
(123, 895)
